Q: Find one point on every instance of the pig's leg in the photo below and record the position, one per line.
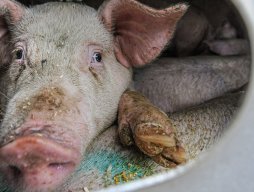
(229, 47)
(150, 129)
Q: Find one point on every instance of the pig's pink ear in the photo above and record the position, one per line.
(10, 13)
(140, 32)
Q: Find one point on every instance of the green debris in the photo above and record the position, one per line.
(137, 169)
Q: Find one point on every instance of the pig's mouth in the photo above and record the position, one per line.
(37, 163)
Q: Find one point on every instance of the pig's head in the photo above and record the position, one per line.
(67, 66)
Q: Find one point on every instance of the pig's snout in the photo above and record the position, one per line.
(42, 152)
(37, 163)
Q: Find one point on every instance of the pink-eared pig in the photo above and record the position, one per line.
(207, 30)
(65, 67)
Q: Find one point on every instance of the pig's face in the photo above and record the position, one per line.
(66, 73)
(64, 89)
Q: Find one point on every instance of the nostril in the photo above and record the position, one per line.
(15, 171)
(37, 163)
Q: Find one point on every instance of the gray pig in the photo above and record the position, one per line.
(65, 68)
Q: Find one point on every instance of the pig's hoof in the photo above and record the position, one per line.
(159, 143)
(156, 141)
(150, 129)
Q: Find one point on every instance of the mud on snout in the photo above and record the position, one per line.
(44, 146)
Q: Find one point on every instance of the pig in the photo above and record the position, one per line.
(66, 68)
(193, 80)
(198, 129)
(226, 42)
(108, 162)
(200, 23)
(206, 38)
(229, 47)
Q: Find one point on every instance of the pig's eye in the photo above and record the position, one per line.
(19, 54)
(96, 58)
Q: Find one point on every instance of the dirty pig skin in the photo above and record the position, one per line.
(65, 67)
